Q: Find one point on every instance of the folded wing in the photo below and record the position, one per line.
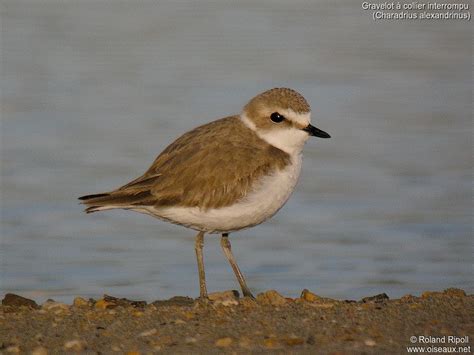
(211, 166)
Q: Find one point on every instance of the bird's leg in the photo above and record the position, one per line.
(199, 244)
(226, 247)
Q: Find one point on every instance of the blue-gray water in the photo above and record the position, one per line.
(92, 91)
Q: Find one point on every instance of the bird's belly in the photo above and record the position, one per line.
(267, 197)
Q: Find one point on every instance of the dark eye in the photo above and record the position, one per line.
(276, 117)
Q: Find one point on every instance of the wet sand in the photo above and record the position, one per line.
(227, 323)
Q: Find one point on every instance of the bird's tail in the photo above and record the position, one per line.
(112, 200)
(96, 202)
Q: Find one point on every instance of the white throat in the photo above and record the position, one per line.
(291, 140)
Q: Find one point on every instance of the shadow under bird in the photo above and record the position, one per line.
(224, 176)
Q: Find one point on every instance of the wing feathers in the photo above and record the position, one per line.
(117, 199)
(211, 166)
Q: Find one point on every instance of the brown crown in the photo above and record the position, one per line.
(281, 97)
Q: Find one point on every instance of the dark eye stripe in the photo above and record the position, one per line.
(276, 117)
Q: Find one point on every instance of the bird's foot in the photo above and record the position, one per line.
(203, 300)
(248, 294)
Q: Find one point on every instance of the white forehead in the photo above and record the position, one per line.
(302, 119)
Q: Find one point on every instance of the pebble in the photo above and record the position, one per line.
(175, 301)
(309, 296)
(165, 340)
(311, 340)
(293, 340)
(455, 292)
(147, 333)
(245, 343)
(369, 342)
(103, 304)
(54, 306)
(248, 303)
(429, 294)
(226, 298)
(39, 351)
(123, 302)
(408, 298)
(13, 349)
(223, 342)
(382, 297)
(80, 302)
(189, 315)
(190, 340)
(271, 297)
(116, 348)
(325, 305)
(75, 345)
(13, 300)
(272, 343)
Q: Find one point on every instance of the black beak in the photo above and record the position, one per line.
(316, 132)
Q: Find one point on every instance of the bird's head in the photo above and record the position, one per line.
(282, 117)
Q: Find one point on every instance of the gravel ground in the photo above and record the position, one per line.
(229, 324)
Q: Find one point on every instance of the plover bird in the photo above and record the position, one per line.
(224, 176)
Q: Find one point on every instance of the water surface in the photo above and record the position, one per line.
(93, 91)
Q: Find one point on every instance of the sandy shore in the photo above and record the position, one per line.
(271, 323)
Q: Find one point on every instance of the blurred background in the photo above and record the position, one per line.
(92, 91)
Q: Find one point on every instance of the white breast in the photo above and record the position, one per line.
(268, 196)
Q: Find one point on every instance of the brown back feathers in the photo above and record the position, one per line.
(212, 166)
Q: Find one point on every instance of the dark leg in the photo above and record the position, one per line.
(199, 244)
(225, 244)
